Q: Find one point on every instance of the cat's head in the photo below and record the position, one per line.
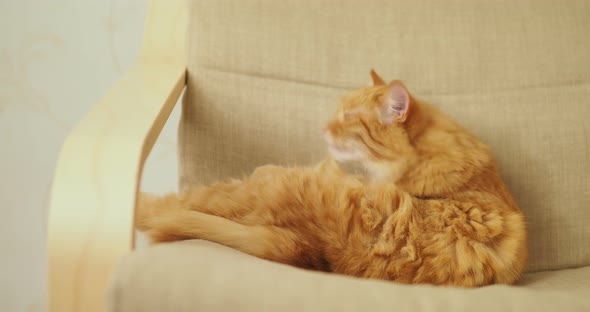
(371, 127)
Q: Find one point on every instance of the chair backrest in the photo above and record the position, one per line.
(265, 75)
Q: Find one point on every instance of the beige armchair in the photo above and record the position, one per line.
(260, 78)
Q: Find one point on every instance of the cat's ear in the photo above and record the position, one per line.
(376, 79)
(396, 103)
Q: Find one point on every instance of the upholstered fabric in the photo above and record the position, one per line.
(265, 75)
(203, 276)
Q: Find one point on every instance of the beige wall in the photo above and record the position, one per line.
(56, 59)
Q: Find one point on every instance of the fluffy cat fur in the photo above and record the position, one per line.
(433, 208)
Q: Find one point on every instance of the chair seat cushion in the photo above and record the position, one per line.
(202, 276)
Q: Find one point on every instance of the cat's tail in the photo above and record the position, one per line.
(262, 241)
(150, 206)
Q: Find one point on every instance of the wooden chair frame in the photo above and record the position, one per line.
(100, 165)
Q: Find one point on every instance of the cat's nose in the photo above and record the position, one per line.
(327, 135)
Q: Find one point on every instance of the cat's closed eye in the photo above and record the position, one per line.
(348, 115)
(351, 114)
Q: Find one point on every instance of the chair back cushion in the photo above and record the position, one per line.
(265, 75)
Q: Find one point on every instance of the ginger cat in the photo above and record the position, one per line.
(434, 209)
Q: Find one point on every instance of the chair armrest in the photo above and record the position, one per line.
(99, 168)
(96, 183)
